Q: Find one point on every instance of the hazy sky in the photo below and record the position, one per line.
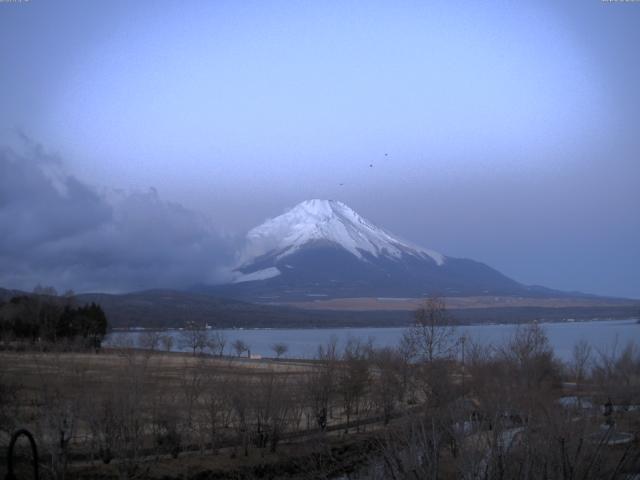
(507, 132)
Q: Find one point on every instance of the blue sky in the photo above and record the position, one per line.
(501, 131)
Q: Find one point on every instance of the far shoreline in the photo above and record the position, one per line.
(380, 327)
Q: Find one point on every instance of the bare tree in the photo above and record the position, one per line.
(240, 393)
(405, 356)
(217, 405)
(102, 420)
(617, 372)
(387, 382)
(150, 340)
(531, 355)
(432, 334)
(167, 423)
(216, 343)
(354, 377)
(271, 406)
(580, 362)
(239, 346)
(61, 411)
(129, 396)
(321, 383)
(411, 452)
(193, 337)
(279, 348)
(192, 380)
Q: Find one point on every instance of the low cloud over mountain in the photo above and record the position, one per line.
(57, 230)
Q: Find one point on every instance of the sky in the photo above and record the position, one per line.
(139, 141)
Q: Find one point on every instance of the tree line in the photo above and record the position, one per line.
(47, 318)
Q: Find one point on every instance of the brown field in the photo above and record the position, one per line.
(372, 303)
(30, 369)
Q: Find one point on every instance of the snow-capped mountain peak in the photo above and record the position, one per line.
(322, 248)
(327, 221)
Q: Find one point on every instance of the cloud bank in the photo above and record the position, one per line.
(57, 230)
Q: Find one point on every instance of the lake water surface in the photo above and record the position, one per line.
(303, 343)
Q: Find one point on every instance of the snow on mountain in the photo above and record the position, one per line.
(327, 221)
(322, 248)
(263, 274)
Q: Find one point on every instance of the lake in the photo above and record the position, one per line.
(303, 343)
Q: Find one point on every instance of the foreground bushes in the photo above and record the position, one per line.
(430, 414)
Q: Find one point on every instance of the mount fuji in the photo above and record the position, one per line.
(323, 248)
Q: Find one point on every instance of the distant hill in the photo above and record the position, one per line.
(171, 308)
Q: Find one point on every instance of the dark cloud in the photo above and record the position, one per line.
(56, 230)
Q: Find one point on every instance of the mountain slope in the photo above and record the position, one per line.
(322, 248)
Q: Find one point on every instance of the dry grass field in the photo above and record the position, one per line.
(30, 370)
(203, 400)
